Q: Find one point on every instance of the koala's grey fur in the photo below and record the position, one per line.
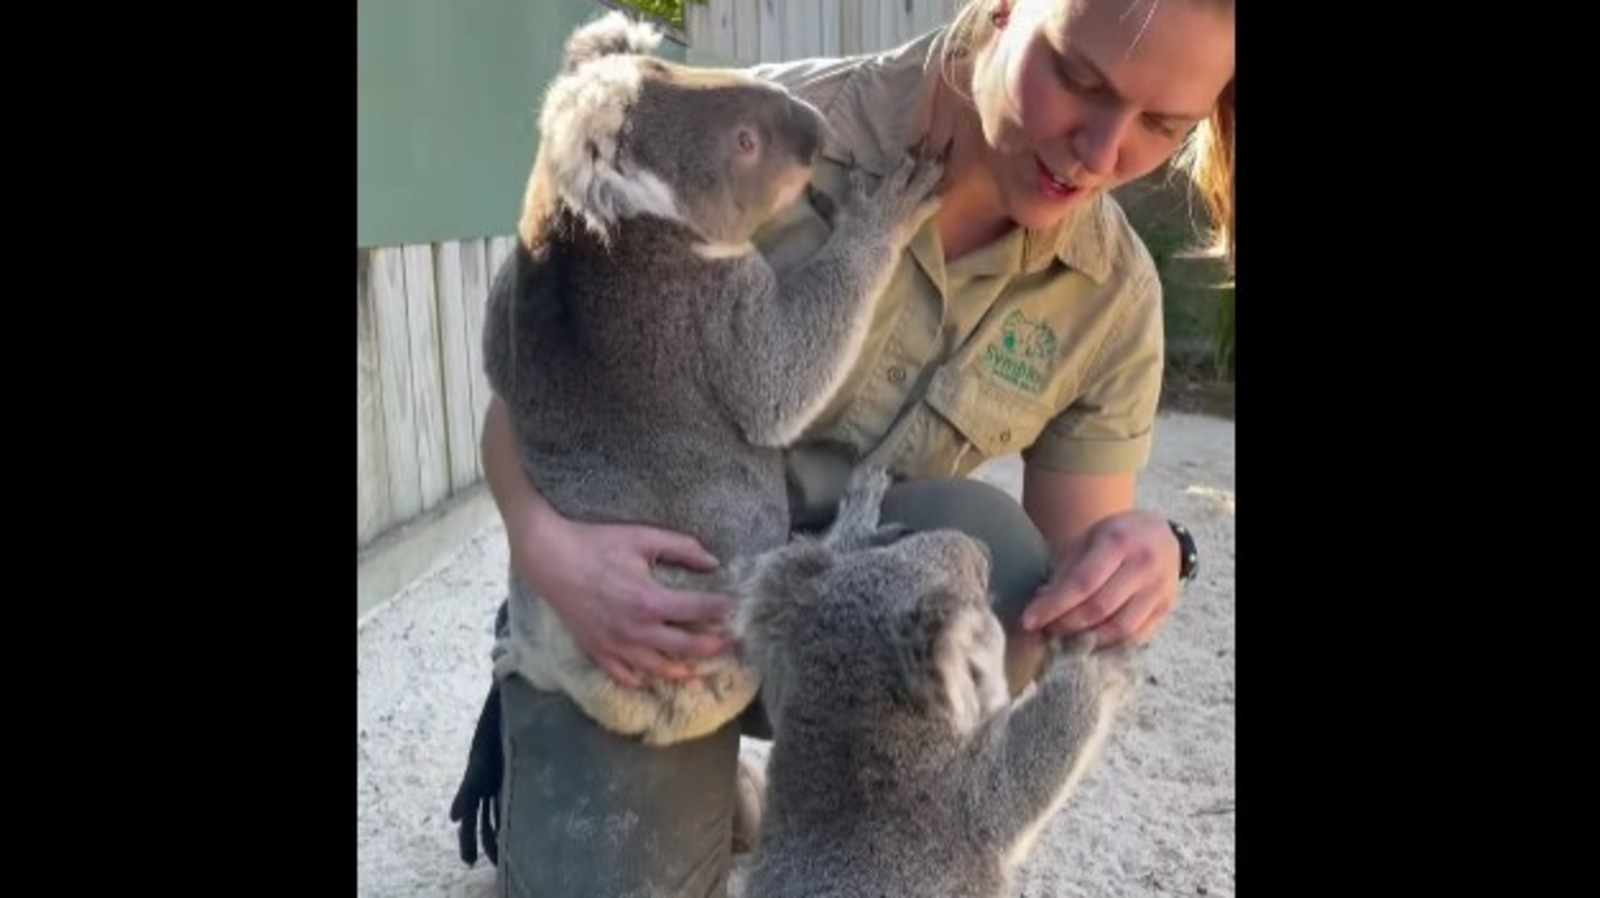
(653, 362)
(899, 767)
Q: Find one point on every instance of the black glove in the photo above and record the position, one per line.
(476, 808)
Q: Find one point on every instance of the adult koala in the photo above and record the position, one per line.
(899, 765)
(652, 360)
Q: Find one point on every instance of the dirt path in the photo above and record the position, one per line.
(1154, 819)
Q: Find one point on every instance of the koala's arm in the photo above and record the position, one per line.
(1031, 757)
(516, 319)
(497, 354)
(797, 334)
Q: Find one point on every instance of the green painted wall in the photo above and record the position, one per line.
(447, 93)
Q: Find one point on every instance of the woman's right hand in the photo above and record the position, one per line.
(597, 579)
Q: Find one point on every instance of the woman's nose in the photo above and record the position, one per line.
(1097, 142)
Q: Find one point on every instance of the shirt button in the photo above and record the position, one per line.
(1005, 436)
(897, 374)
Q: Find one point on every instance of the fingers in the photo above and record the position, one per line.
(676, 548)
(620, 673)
(1070, 588)
(1095, 608)
(1136, 620)
(677, 642)
(647, 663)
(682, 606)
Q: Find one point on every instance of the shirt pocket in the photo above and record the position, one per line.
(973, 420)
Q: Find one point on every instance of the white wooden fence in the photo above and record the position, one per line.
(420, 389)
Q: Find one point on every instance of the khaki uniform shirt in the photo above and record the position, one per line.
(1045, 343)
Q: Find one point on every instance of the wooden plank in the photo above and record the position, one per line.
(475, 294)
(747, 30)
(802, 33)
(373, 513)
(394, 378)
(499, 251)
(722, 39)
(427, 384)
(697, 25)
(455, 365)
(850, 27)
(771, 30)
(867, 28)
(902, 20)
(828, 27)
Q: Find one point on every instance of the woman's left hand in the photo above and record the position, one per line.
(1121, 584)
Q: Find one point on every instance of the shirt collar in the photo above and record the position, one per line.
(884, 109)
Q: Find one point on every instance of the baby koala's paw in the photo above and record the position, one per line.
(1115, 670)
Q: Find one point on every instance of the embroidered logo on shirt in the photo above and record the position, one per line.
(1021, 341)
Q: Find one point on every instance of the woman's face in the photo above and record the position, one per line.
(1077, 97)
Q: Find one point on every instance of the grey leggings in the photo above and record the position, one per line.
(587, 814)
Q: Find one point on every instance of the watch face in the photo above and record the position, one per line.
(1189, 554)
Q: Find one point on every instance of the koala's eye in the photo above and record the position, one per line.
(747, 141)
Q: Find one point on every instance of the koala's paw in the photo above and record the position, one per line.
(909, 196)
(1111, 672)
(1118, 670)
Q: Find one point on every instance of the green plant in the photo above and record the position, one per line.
(669, 11)
(1223, 338)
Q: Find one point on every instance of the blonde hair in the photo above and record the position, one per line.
(1205, 157)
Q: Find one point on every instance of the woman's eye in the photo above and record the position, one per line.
(1163, 127)
(1079, 84)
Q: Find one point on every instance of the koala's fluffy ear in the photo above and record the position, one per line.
(581, 131)
(611, 34)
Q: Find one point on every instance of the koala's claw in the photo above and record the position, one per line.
(909, 196)
(1112, 670)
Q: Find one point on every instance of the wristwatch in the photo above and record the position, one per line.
(1188, 554)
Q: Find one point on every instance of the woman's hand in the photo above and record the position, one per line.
(1121, 584)
(597, 578)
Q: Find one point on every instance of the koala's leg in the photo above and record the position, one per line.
(587, 812)
(1019, 557)
(1032, 757)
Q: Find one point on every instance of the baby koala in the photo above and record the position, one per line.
(653, 362)
(899, 767)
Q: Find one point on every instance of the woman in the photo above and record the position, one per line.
(1025, 317)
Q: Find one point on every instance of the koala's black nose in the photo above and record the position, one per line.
(811, 126)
